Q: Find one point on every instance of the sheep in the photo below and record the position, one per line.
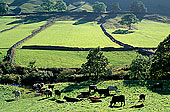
(141, 97)
(51, 86)
(68, 99)
(115, 99)
(137, 106)
(57, 92)
(92, 87)
(112, 88)
(102, 91)
(157, 85)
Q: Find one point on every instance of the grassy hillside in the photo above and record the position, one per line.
(9, 38)
(156, 6)
(149, 34)
(157, 101)
(65, 33)
(68, 58)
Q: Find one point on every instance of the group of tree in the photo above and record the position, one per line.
(59, 5)
(3, 8)
(156, 66)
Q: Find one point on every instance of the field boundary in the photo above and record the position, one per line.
(63, 48)
(126, 46)
(11, 52)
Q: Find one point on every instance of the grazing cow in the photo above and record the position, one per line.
(115, 99)
(17, 94)
(137, 106)
(112, 88)
(92, 87)
(37, 86)
(141, 97)
(57, 92)
(51, 86)
(157, 85)
(68, 99)
(42, 91)
(95, 100)
(102, 91)
(48, 92)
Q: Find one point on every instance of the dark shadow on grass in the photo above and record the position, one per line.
(42, 99)
(122, 32)
(115, 106)
(15, 22)
(11, 100)
(149, 84)
(80, 85)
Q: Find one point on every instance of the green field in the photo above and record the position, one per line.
(5, 22)
(64, 33)
(157, 101)
(149, 34)
(9, 38)
(45, 58)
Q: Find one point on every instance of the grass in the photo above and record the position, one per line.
(68, 59)
(9, 38)
(3, 52)
(149, 34)
(5, 22)
(64, 33)
(156, 101)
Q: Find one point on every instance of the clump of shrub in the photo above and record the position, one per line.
(10, 79)
(122, 32)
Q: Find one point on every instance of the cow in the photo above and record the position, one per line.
(57, 92)
(157, 85)
(17, 94)
(120, 98)
(102, 91)
(92, 87)
(51, 87)
(37, 86)
(48, 92)
(68, 99)
(141, 97)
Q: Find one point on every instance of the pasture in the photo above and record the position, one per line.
(149, 34)
(65, 33)
(9, 38)
(156, 101)
(47, 58)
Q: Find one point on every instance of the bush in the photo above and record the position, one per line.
(10, 79)
(122, 32)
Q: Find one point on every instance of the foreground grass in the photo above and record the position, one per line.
(157, 101)
(68, 59)
(64, 33)
(9, 38)
(149, 34)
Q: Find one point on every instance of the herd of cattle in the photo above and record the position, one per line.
(92, 89)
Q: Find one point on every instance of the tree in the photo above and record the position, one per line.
(60, 5)
(3, 8)
(115, 8)
(99, 7)
(47, 5)
(128, 19)
(138, 7)
(160, 67)
(96, 62)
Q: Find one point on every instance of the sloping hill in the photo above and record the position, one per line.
(156, 6)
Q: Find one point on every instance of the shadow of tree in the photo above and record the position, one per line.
(10, 100)
(77, 86)
(149, 84)
(42, 99)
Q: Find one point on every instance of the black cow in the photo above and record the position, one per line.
(51, 86)
(48, 92)
(141, 97)
(57, 92)
(115, 99)
(68, 99)
(92, 87)
(157, 85)
(102, 91)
